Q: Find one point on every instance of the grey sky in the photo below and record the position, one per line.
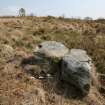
(75, 8)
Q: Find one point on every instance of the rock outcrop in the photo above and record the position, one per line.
(76, 69)
(48, 54)
(74, 66)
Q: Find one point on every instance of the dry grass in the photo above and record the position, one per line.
(23, 34)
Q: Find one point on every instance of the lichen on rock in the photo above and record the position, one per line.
(76, 69)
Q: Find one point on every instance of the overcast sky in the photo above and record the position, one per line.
(75, 8)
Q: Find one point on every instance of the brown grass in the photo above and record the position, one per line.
(23, 34)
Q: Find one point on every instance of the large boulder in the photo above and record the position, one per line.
(48, 54)
(76, 70)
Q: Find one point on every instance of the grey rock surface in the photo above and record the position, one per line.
(48, 54)
(51, 49)
(76, 69)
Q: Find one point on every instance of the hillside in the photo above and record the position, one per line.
(23, 34)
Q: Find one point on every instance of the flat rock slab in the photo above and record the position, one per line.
(80, 55)
(52, 49)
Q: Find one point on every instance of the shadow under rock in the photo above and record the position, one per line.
(62, 88)
(32, 66)
(30, 60)
(39, 67)
(52, 84)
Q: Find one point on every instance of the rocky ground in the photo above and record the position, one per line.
(19, 37)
